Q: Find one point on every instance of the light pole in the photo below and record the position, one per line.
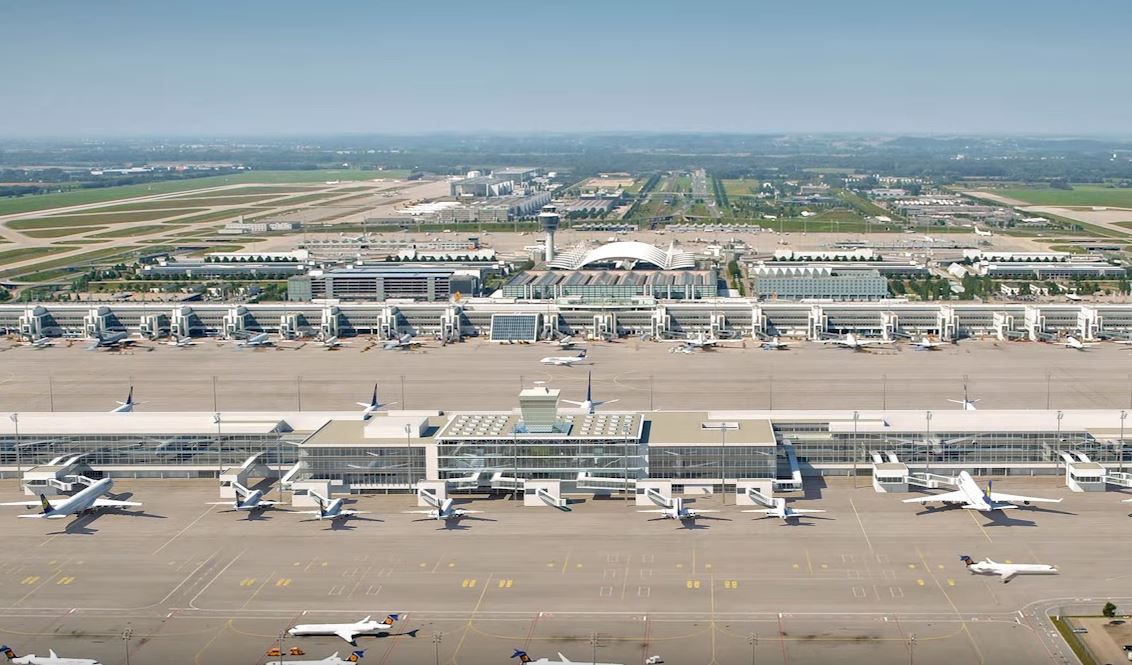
(912, 649)
(19, 466)
(928, 442)
(884, 392)
(412, 460)
(856, 417)
(126, 635)
(1123, 417)
(436, 640)
(753, 640)
(593, 643)
(723, 461)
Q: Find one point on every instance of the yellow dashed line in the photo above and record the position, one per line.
(65, 580)
(920, 582)
(693, 584)
(506, 584)
(247, 581)
(283, 581)
(30, 579)
(468, 584)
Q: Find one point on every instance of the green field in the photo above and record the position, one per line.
(13, 255)
(92, 219)
(63, 232)
(1080, 195)
(741, 187)
(85, 257)
(196, 202)
(105, 194)
(131, 231)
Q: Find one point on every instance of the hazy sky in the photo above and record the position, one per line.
(87, 68)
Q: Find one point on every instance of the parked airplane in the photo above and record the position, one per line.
(115, 340)
(248, 501)
(445, 511)
(40, 343)
(699, 342)
(87, 500)
(784, 512)
(568, 361)
(374, 404)
(128, 405)
(851, 341)
(980, 232)
(970, 496)
(678, 511)
(332, 659)
(562, 660)
(589, 406)
(51, 659)
(405, 341)
(181, 342)
(331, 510)
(968, 403)
(774, 345)
(926, 344)
(331, 343)
(347, 631)
(1006, 571)
(261, 339)
(566, 343)
(1072, 342)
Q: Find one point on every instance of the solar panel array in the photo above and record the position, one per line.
(514, 327)
(479, 425)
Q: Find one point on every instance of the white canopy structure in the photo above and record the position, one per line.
(631, 251)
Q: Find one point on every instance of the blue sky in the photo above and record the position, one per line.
(256, 67)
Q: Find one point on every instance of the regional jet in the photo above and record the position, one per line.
(331, 510)
(332, 659)
(926, 344)
(700, 342)
(374, 404)
(115, 340)
(980, 232)
(589, 406)
(444, 512)
(566, 343)
(40, 343)
(774, 345)
(347, 631)
(405, 341)
(128, 405)
(968, 403)
(183, 342)
(1072, 342)
(562, 660)
(678, 511)
(261, 339)
(971, 497)
(87, 500)
(851, 341)
(333, 343)
(50, 659)
(1006, 571)
(246, 501)
(784, 512)
(567, 361)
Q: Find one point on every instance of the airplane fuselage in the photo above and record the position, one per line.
(80, 502)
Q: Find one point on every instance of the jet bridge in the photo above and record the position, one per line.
(891, 475)
(754, 493)
(540, 493)
(1081, 473)
(251, 468)
(1119, 478)
(59, 476)
(604, 484)
(436, 491)
(654, 493)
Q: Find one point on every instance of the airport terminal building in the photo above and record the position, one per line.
(601, 451)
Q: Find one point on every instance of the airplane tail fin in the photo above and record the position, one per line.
(7, 651)
(130, 397)
(321, 503)
(45, 504)
(356, 656)
(590, 387)
(521, 655)
(582, 354)
(391, 619)
(373, 400)
(966, 559)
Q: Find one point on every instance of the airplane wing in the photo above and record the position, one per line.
(568, 401)
(346, 633)
(564, 659)
(998, 496)
(700, 512)
(468, 512)
(803, 511)
(946, 496)
(26, 504)
(419, 512)
(111, 503)
(659, 510)
(1008, 575)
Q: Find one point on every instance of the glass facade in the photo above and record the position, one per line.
(526, 457)
(370, 468)
(691, 462)
(514, 327)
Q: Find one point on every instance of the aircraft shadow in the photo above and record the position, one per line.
(1040, 509)
(1002, 518)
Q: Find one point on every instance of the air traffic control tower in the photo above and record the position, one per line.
(549, 220)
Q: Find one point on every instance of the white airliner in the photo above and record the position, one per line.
(851, 341)
(589, 406)
(128, 405)
(565, 343)
(567, 361)
(374, 404)
(926, 344)
(115, 340)
(40, 343)
(678, 511)
(1006, 571)
(247, 501)
(1072, 342)
(347, 631)
(50, 659)
(332, 659)
(774, 345)
(331, 510)
(405, 341)
(784, 512)
(968, 403)
(331, 343)
(971, 497)
(87, 500)
(261, 339)
(980, 232)
(182, 342)
(700, 342)
(445, 511)
(562, 660)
